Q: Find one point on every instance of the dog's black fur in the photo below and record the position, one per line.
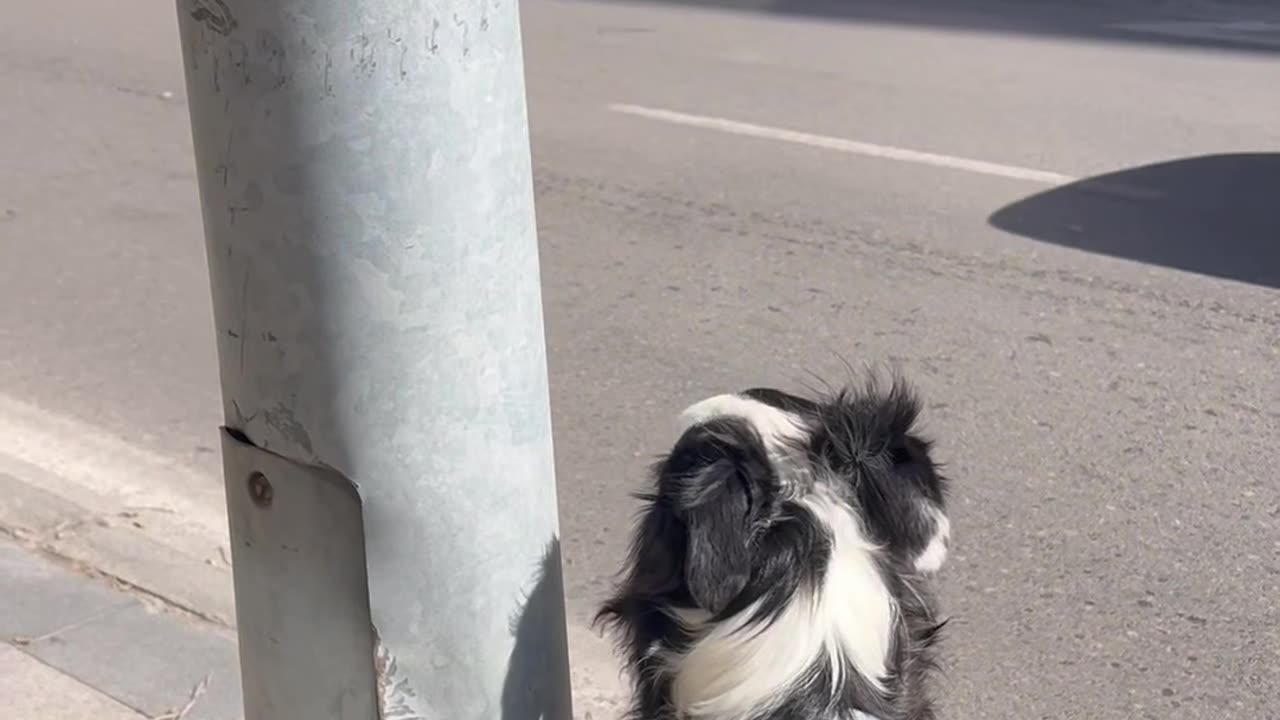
(727, 531)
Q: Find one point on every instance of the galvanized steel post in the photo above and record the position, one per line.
(365, 178)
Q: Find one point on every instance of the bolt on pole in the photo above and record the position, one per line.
(367, 196)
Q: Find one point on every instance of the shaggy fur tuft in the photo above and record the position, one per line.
(779, 570)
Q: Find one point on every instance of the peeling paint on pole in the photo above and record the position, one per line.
(367, 197)
(396, 700)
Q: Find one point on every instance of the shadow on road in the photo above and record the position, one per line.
(1216, 215)
(1235, 25)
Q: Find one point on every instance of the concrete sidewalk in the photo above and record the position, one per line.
(116, 602)
(75, 646)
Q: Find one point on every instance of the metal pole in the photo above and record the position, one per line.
(365, 178)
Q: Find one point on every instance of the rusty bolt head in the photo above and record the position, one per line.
(260, 490)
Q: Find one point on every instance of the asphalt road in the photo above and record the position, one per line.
(1057, 217)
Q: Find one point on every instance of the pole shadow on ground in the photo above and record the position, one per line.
(1216, 215)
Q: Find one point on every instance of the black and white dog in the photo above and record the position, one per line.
(780, 567)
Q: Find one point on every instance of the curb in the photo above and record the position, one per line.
(152, 541)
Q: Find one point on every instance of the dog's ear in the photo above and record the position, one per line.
(922, 522)
(911, 464)
(720, 478)
(910, 490)
(870, 437)
(717, 558)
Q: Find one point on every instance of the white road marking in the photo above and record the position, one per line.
(854, 147)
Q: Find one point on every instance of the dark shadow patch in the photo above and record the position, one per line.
(1216, 215)
(537, 683)
(1097, 20)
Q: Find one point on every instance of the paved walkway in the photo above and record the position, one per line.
(75, 642)
(75, 647)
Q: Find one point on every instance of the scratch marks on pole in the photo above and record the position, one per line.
(213, 14)
(462, 25)
(244, 315)
(433, 45)
(363, 56)
(251, 200)
(304, 61)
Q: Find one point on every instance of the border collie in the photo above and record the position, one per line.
(780, 567)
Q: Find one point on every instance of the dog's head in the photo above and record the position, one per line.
(746, 465)
(774, 509)
(860, 446)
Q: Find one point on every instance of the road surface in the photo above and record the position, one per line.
(1058, 218)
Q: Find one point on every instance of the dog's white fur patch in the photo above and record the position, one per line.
(734, 670)
(856, 607)
(935, 553)
(775, 426)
